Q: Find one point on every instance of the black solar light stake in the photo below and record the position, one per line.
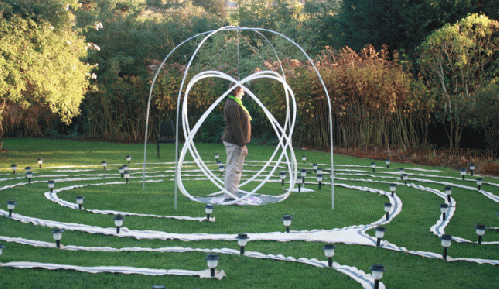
(377, 273)
(329, 252)
(242, 240)
(79, 201)
(472, 168)
(480, 231)
(286, 221)
(57, 234)
(463, 173)
(51, 185)
(208, 209)
(212, 263)
(448, 191)
(443, 210)
(388, 207)
(446, 242)
(118, 221)
(11, 205)
(379, 233)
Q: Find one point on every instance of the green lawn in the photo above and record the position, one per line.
(410, 229)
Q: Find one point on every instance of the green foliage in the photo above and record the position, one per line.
(404, 24)
(56, 12)
(129, 46)
(485, 116)
(216, 7)
(41, 66)
(457, 61)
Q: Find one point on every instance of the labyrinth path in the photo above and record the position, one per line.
(357, 179)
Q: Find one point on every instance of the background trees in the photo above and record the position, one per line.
(404, 24)
(40, 64)
(127, 39)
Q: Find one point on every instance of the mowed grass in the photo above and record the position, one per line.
(410, 229)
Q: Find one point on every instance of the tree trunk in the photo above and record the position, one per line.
(2, 108)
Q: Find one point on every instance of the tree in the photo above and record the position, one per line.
(404, 24)
(56, 12)
(456, 62)
(216, 7)
(40, 66)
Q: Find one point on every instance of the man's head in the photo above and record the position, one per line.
(238, 91)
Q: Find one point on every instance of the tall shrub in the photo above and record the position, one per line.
(457, 61)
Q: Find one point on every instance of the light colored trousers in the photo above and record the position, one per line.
(234, 169)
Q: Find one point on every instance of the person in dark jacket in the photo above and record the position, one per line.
(236, 135)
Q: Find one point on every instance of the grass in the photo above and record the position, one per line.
(410, 229)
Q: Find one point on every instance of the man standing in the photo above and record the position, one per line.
(236, 135)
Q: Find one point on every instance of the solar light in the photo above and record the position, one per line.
(121, 170)
(125, 167)
(401, 172)
(443, 210)
(286, 221)
(14, 168)
(303, 173)
(379, 232)
(221, 169)
(377, 273)
(405, 177)
(57, 233)
(104, 164)
(480, 230)
(219, 163)
(329, 252)
(373, 166)
(393, 188)
(29, 175)
(282, 175)
(51, 185)
(463, 172)
(212, 263)
(126, 174)
(118, 221)
(128, 158)
(446, 242)
(79, 201)
(1, 248)
(11, 205)
(242, 239)
(388, 207)
(314, 166)
(472, 168)
(28, 169)
(304, 158)
(40, 162)
(216, 157)
(319, 179)
(208, 209)
(448, 191)
(319, 171)
(387, 162)
(479, 182)
(299, 180)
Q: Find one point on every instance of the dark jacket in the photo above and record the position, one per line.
(237, 124)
